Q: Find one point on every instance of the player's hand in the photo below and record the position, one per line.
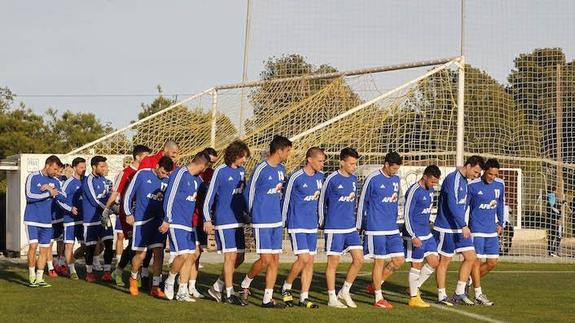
(208, 227)
(416, 242)
(53, 191)
(44, 187)
(466, 232)
(130, 219)
(105, 218)
(115, 209)
(499, 229)
(164, 227)
(75, 210)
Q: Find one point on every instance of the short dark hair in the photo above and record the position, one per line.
(235, 150)
(77, 161)
(474, 161)
(348, 152)
(279, 142)
(211, 151)
(166, 163)
(53, 159)
(314, 151)
(140, 149)
(392, 158)
(201, 158)
(432, 170)
(491, 163)
(96, 160)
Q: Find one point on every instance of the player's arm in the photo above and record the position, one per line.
(457, 209)
(409, 213)
(91, 193)
(501, 208)
(61, 196)
(33, 192)
(363, 204)
(210, 198)
(323, 202)
(67, 203)
(287, 197)
(129, 198)
(250, 192)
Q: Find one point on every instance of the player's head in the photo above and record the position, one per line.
(391, 163)
(199, 163)
(52, 166)
(490, 170)
(79, 166)
(236, 153)
(473, 166)
(99, 165)
(171, 149)
(164, 167)
(431, 176)
(348, 160)
(281, 146)
(213, 155)
(315, 158)
(126, 161)
(140, 151)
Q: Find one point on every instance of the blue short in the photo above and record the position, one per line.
(201, 237)
(40, 235)
(303, 242)
(57, 230)
(337, 244)
(73, 231)
(95, 232)
(230, 240)
(383, 246)
(486, 247)
(414, 254)
(448, 244)
(182, 240)
(146, 235)
(118, 225)
(268, 240)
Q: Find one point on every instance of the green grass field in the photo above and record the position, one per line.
(522, 293)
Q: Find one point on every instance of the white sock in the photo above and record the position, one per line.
(118, 258)
(425, 273)
(50, 265)
(145, 272)
(332, 296)
(118, 271)
(39, 274)
(156, 281)
(345, 288)
(470, 281)
(183, 289)
(246, 282)
(31, 271)
(72, 268)
(441, 294)
(268, 294)
(229, 291)
(171, 278)
(88, 268)
(412, 278)
(134, 275)
(192, 284)
(303, 296)
(378, 295)
(286, 286)
(460, 289)
(107, 267)
(219, 285)
(478, 292)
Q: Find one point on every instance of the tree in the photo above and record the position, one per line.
(159, 103)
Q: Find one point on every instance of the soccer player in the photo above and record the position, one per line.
(421, 246)
(57, 233)
(72, 206)
(486, 221)
(139, 152)
(181, 195)
(118, 222)
(452, 232)
(224, 209)
(337, 217)
(377, 215)
(198, 220)
(263, 198)
(41, 189)
(147, 189)
(94, 194)
(300, 214)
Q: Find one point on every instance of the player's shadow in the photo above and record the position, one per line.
(11, 276)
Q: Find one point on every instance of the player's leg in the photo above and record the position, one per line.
(107, 238)
(262, 239)
(445, 248)
(490, 254)
(466, 248)
(353, 245)
(334, 245)
(194, 271)
(158, 252)
(44, 242)
(307, 272)
(125, 258)
(301, 250)
(50, 261)
(69, 239)
(119, 238)
(91, 241)
(394, 249)
(32, 233)
(137, 260)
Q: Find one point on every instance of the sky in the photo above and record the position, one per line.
(107, 57)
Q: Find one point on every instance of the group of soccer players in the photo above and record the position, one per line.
(156, 201)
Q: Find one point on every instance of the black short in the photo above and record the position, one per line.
(201, 237)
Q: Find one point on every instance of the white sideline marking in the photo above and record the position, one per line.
(453, 310)
(492, 272)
